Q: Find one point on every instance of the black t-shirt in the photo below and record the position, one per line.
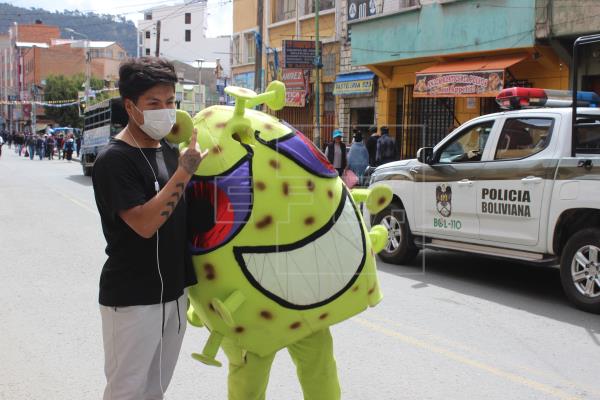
(122, 179)
(372, 149)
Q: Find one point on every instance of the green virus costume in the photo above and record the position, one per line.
(286, 254)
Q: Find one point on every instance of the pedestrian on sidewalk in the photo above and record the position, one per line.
(59, 146)
(372, 145)
(336, 152)
(386, 147)
(358, 157)
(1, 144)
(139, 182)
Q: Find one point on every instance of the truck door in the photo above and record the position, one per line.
(445, 192)
(510, 189)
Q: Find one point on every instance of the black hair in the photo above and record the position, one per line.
(138, 75)
(384, 130)
(372, 129)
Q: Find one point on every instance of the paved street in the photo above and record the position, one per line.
(450, 326)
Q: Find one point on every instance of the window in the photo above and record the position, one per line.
(329, 64)
(309, 5)
(588, 138)
(236, 50)
(147, 34)
(523, 137)
(468, 145)
(283, 10)
(250, 48)
(148, 16)
(188, 18)
(188, 35)
(147, 51)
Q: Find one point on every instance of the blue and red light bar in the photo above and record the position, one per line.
(519, 97)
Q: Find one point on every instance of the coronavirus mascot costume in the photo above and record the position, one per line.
(285, 253)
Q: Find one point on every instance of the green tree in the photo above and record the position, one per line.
(60, 87)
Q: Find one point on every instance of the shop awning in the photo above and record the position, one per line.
(357, 83)
(482, 77)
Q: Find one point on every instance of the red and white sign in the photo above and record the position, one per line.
(295, 80)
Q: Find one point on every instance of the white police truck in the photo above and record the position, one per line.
(523, 184)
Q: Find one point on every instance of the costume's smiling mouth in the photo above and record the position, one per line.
(313, 271)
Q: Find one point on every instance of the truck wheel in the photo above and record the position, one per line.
(87, 171)
(400, 248)
(580, 270)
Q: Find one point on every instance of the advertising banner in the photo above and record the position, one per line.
(300, 53)
(296, 85)
(459, 84)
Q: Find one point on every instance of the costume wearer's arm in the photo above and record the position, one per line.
(147, 218)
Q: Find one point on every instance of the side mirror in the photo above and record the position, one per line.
(425, 155)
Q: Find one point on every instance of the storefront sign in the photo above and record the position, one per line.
(463, 84)
(358, 9)
(295, 98)
(354, 84)
(299, 53)
(295, 80)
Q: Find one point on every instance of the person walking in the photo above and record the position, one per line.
(358, 157)
(139, 182)
(31, 143)
(372, 145)
(59, 146)
(69, 147)
(78, 144)
(386, 147)
(336, 152)
(50, 147)
(1, 144)
(40, 146)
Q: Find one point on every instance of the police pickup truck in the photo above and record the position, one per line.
(522, 184)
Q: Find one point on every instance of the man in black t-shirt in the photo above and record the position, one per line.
(139, 182)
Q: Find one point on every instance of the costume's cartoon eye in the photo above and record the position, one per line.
(218, 207)
(303, 152)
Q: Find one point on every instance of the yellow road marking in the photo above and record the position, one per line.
(541, 387)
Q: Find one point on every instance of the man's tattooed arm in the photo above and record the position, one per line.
(146, 219)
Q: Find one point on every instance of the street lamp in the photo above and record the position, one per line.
(200, 61)
(87, 61)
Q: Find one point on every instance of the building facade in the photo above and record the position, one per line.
(287, 43)
(179, 33)
(440, 63)
(36, 51)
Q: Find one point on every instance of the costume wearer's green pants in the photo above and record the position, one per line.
(315, 366)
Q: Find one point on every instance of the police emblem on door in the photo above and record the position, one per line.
(443, 196)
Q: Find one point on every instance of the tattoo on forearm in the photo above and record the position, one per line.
(172, 204)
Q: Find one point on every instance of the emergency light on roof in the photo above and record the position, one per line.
(518, 97)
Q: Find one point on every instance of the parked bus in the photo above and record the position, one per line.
(101, 122)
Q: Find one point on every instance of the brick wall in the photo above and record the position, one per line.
(38, 33)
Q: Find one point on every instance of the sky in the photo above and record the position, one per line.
(220, 18)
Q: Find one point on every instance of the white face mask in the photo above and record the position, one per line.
(158, 123)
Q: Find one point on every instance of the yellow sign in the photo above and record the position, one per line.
(353, 87)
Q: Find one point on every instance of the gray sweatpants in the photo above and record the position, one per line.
(132, 348)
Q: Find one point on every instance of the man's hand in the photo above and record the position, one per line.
(190, 157)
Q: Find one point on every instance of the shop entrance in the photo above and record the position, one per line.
(362, 119)
(424, 121)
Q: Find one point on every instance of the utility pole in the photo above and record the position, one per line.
(157, 54)
(258, 51)
(317, 137)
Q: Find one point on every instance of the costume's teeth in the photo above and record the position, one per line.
(338, 255)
